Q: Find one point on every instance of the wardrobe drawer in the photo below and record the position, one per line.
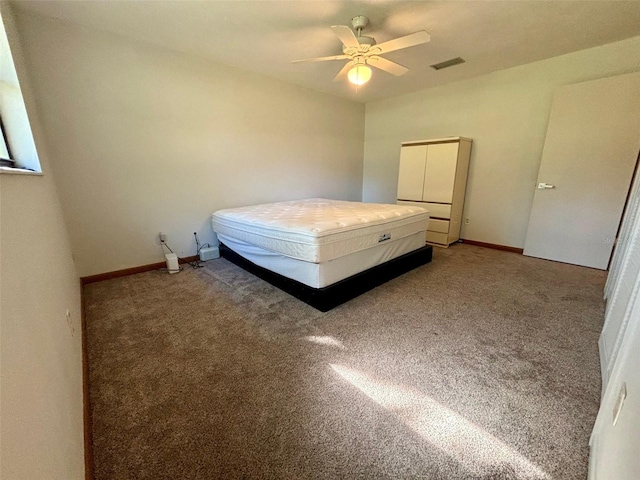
(438, 210)
(439, 238)
(440, 226)
(413, 204)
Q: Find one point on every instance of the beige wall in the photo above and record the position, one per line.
(506, 114)
(41, 366)
(148, 140)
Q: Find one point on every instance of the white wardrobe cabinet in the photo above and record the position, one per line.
(433, 175)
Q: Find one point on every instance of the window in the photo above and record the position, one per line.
(17, 149)
(5, 153)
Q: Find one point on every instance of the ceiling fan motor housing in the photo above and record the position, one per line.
(362, 40)
(359, 22)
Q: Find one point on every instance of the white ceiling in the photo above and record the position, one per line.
(265, 36)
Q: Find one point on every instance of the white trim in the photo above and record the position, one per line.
(604, 372)
(620, 286)
(18, 171)
(633, 298)
(631, 215)
(593, 455)
(437, 140)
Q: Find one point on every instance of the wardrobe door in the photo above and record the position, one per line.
(411, 177)
(440, 173)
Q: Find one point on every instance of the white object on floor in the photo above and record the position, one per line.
(209, 253)
(172, 263)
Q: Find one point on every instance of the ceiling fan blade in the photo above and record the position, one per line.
(343, 73)
(346, 35)
(387, 65)
(321, 59)
(404, 42)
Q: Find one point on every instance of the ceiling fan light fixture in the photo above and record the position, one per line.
(359, 74)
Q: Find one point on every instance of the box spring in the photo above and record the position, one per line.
(318, 275)
(326, 298)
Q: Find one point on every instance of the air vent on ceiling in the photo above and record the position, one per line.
(447, 63)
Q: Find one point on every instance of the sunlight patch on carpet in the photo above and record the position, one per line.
(325, 340)
(476, 449)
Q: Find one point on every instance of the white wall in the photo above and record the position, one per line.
(148, 140)
(506, 114)
(41, 364)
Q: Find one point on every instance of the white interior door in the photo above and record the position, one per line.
(589, 155)
(440, 173)
(411, 176)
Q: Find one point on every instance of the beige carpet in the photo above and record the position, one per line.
(480, 365)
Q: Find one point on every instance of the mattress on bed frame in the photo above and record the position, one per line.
(319, 230)
(324, 252)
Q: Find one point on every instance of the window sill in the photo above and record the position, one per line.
(18, 171)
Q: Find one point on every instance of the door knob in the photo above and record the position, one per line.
(545, 186)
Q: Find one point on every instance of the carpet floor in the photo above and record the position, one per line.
(480, 365)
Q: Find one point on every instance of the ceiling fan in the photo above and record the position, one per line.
(362, 51)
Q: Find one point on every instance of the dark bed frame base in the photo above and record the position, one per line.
(326, 298)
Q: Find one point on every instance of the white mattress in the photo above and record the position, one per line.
(318, 230)
(318, 275)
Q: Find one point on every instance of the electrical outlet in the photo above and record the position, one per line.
(467, 221)
(70, 323)
(163, 237)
